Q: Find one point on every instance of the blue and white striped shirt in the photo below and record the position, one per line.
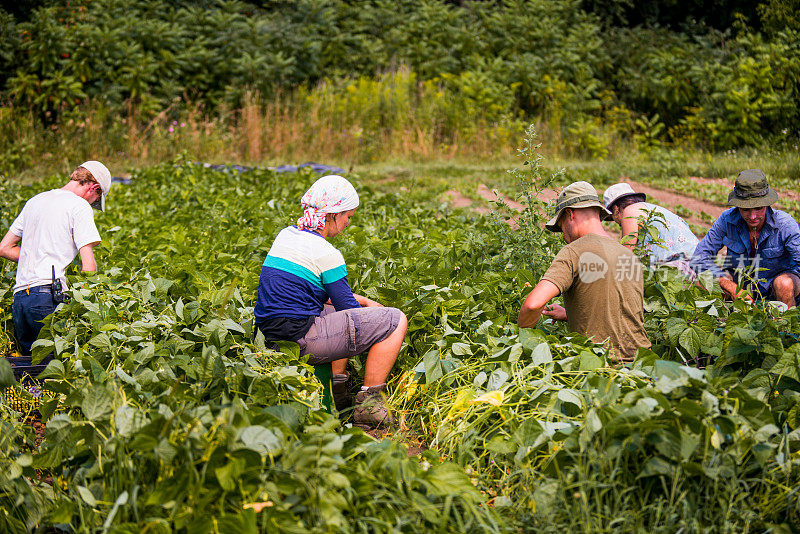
(301, 272)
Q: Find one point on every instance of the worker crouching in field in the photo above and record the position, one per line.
(676, 242)
(304, 296)
(600, 280)
(51, 230)
(763, 244)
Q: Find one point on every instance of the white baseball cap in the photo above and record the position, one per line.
(619, 191)
(102, 176)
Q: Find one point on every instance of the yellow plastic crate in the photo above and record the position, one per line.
(24, 397)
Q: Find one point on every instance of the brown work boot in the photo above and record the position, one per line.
(371, 410)
(340, 387)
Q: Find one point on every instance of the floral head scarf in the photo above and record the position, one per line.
(329, 194)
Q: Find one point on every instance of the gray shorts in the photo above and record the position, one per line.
(344, 334)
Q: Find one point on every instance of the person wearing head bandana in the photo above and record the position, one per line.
(304, 296)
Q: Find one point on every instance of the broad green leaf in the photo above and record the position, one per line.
(545, 495)
(479, 379)
(244, 522)
(102, 341)
(497, 379)
(285, 413)
(433, 366)
(233, 326)
(570, 396)
(789, 363)
(96, 403)
(127, 420)
(690, 341)
(41, 348)
(500, 445)
(541, 354)
(87, 496)
(675, 327)
(589, 361)
(593, 422)
(128, 379)
(530, 338)
(461, 349)
(63, 512)
(6, 374)
(260, 439)
(656, 466)
(448, 477)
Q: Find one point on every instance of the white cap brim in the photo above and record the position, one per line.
(102, 176)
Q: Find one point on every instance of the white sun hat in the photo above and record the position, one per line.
(102, 176)
(617, 192)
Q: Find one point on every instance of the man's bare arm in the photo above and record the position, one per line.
(87, 257)
(535, 302)
(366, 302)
(9, 247)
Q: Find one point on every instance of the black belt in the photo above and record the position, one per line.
(39, 289)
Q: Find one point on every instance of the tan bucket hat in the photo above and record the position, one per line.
(577, 195)
(751, 190)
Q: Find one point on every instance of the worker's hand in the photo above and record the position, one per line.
(556, 312)
(368, 303)
(730, 288)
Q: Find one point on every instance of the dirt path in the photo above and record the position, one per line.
(671, 199)
(662, 197)
(457, 200)
(794, 195)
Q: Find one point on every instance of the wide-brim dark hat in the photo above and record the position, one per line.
(751, 190)
(576, 195)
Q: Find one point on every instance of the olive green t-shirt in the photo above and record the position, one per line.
(601, 282)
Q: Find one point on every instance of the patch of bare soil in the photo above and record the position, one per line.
(704, 181)
(492, 195)
(668, 199)
(456, 199)
(387, 179)
(546, 195)
(671, 199)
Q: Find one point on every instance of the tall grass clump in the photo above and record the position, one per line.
(347, 121)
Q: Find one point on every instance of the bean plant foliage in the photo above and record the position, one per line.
(163, 412)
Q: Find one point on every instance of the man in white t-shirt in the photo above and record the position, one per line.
(52, 228)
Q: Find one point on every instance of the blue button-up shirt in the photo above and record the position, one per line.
(778, 249)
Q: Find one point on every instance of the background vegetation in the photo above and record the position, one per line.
(162, 412)
(358, 81)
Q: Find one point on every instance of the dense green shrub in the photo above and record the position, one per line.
(719, 86)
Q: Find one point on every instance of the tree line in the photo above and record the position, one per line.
(714, 73)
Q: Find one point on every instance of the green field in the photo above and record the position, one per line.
(162, 413)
